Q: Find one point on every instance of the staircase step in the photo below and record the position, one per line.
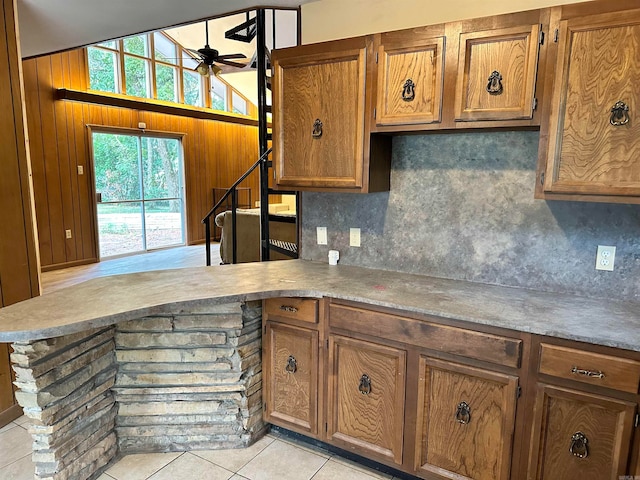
(285, 248)
(269, 137)
(268, 108)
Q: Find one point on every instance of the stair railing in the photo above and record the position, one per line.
(233, 191)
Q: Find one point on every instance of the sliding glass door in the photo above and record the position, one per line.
(139, 192)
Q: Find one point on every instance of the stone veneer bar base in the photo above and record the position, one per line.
(191, 380)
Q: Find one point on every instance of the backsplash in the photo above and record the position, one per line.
(461, 206)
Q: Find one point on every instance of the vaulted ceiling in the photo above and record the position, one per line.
(48, 26)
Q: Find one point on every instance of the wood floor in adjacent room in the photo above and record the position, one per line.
(179, 257)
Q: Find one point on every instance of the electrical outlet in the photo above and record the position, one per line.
(321, 233)
(354, 237)
(80, 170)
(67, 234)
(605, 258)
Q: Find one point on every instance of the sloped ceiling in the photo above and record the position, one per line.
(48, 26)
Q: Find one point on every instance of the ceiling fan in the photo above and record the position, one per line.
(209, 57)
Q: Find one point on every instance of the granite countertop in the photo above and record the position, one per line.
(108, 300)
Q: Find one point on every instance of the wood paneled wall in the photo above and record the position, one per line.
(19, 278)
(216, 153)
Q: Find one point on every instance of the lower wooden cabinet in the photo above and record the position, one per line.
(580, 436)
(291, 372)
(439, 399)
(465, 424)
(366, 397)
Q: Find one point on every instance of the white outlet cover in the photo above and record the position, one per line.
(354, 237)
(321, 232)
(605, 257)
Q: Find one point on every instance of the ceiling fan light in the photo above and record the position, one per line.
(203, 69)
(215, 69)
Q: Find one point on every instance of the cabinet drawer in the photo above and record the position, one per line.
(592, 368)
(301, 309)
(454, 340)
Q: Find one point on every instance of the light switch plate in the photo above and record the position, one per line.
(354, 237)
(322, 235)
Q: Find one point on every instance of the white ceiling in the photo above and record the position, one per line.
(48, 26)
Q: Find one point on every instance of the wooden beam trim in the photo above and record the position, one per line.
(150, 106)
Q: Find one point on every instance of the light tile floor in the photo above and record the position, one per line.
(274, 457)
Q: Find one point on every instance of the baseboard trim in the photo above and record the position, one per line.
(10, 414)
(75, 263)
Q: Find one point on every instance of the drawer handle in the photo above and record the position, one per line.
(463, 413)
(288, 308)
(587, 373)
(317, 129)
(494, 83)
(578, 447)
(365, 384)
(409, 91)
(619, 114)
(292, 365)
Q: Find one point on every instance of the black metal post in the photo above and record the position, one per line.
(262, 132)
(234, 226)
(207, 239)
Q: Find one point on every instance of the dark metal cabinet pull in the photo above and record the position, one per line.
(587, 373)
(292, 365)
(619, 114)
(317, 129)
(463, 413)
(494, 84)
(409, 91)
(288, 308)
(579, 445)
(365, 384)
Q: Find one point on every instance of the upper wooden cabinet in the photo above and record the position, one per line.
(593, 146)
(410, 76)
(496, 74)
(321, 138)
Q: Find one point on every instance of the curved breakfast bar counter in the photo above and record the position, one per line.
(170, 360)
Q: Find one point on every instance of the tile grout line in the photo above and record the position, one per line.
(165, 466)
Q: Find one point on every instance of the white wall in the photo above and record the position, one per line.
(332, 19)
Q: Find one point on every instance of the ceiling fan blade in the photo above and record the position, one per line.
(230, 56)
(231, 64)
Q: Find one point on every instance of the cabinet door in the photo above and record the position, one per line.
(410, 81)
(579, 436)
(366, 397)
(497, 74)
(291, 371)
(594, 130)
(465, 421)
(319, 101)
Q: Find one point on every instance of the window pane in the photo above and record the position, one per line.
(189, 62)
(138, 45)
(167, 82)
(102, 70)
(136, 76)
(218, 94)
(165, 48)
(239, 104)
(120, 228)
(109, 44)
(163, 223)
(115, 159)
(192, 88)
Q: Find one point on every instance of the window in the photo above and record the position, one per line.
(155, 66)
(218, 94)
(239, 104)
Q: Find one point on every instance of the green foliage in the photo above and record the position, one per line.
(117, 169)
(102, 70)
(166, 83)
(136, 77)
(192, 89)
